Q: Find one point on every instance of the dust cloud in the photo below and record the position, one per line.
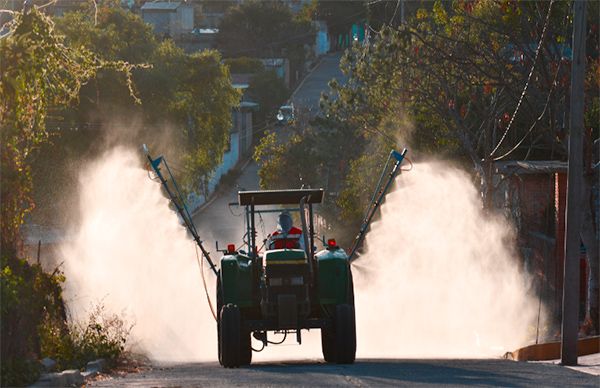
(439, 278)
(130, 253)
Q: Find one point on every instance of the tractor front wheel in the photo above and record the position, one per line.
(229, 335)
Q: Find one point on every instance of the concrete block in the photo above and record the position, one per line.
(71, 377)
(48, 364)
(98, 365)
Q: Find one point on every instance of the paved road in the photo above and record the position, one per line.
(309, 92)
(493, 373)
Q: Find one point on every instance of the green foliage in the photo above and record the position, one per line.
(190, 93)
(29, 296)
(102, 336)
(265, 29)
(270, 92)
(39, 72)
(244, 65)
(262, 28)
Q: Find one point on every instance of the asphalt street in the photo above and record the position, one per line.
(367, 373)
(307, 95)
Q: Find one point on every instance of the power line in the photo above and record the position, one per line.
(537, 52)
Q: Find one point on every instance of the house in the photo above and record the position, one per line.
(533, 194)
(281, 67)
(169, 19)
(322, 44)
(212, 12)
(199, 39)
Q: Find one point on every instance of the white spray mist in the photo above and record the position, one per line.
(130, 253)
(439, 278)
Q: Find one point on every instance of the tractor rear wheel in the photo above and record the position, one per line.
(245, 348)
(345, 334)
(229, 334)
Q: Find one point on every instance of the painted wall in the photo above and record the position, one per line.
(230, 159)
(322, 44)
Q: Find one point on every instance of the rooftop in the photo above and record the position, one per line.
(161, 6)
(530, 167)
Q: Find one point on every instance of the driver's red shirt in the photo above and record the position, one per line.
(289, 240)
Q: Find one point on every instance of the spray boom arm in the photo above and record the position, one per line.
(380, 192)
(177, 200)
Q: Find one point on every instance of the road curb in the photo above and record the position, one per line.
(213, 197)
(71, 377)
(66, 378)
(551, 350)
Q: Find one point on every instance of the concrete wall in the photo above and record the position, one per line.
(184, 21)
(160, 21)
(230, 159)
(240, 146)
(245, 132)
(169, 22)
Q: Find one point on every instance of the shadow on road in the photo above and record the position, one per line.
(500, 373)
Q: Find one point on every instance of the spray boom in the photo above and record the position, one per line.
(380, 192)
(177, 200)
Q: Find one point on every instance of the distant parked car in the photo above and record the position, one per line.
(285, 115)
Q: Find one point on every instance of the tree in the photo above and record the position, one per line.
(456, 73)
(265, 29)
(38, 73)
(190, 92)
(482, 81)
(269, 91)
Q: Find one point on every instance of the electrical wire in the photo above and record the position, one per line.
(539, 118)
(524, 92)
(395, 11)
(201, 263)
(285, 333)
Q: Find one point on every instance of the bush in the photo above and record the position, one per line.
(33, 325)
(244, 65)
(269, 91)
(29, 295)
(102, 336)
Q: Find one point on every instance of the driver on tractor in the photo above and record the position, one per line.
(287, 236)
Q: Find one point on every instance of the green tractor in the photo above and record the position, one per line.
(282, 290)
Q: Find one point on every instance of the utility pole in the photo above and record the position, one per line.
(570, 307)
(402, 17)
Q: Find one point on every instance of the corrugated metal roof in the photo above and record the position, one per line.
(530, 167)
(161, 6)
